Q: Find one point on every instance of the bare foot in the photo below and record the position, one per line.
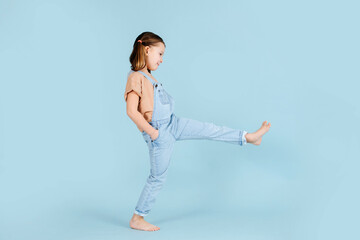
(256, 137)
(138, 222)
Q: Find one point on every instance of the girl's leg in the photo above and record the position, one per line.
(185, 128)
(160, 152)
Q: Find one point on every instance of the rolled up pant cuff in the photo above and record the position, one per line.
(139, 213)
(243, 139)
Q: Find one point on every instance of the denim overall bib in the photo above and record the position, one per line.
(171, 129)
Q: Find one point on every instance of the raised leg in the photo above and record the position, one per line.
(185, 129)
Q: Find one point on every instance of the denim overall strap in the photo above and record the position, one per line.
(163, 103)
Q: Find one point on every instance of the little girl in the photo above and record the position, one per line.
(151, 108)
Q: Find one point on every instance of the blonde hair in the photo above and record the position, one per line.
(137, 57)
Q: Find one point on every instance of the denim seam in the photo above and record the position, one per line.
(151, 186)
(172, 134)
(240, 137)
(183, 129)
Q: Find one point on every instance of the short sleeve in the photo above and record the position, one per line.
(133, 84)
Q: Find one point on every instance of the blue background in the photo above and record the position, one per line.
(73, 163)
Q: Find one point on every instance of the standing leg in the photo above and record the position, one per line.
(160, 151)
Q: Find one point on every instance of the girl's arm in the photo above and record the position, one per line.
(131, 110)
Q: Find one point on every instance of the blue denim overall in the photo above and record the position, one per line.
(171, 129)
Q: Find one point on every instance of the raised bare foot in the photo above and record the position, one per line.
(256, 137)
(138, 222)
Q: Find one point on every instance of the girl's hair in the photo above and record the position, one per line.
(137, 57)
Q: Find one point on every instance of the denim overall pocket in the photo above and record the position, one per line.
(147, 137)
(163, 96)
(157, 136)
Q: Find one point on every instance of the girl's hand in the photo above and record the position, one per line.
(155, 135)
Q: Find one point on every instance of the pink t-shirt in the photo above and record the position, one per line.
(143, 87)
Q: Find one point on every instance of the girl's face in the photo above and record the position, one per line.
(154, 56)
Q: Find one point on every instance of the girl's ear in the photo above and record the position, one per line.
(147, 50)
